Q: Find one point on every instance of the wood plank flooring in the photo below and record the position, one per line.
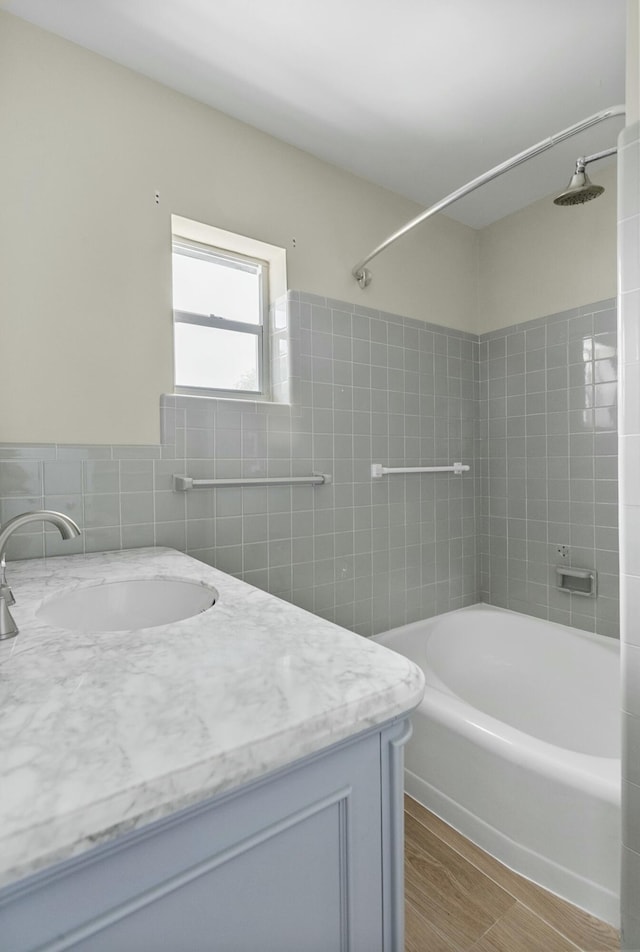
(460, 899)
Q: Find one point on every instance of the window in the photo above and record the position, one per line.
(220, 303)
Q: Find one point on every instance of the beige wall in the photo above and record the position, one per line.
(85, 313)
(544, 259)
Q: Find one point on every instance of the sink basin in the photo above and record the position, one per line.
(127, 604)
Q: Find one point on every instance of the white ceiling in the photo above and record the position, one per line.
(419, 96)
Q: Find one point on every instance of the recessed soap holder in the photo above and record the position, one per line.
(576, 581)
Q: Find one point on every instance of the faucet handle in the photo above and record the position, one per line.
(8, 627)
(5, 588)
(7, 594)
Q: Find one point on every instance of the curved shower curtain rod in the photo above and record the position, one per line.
(363, 275)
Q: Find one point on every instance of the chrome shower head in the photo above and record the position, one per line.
(580, 189)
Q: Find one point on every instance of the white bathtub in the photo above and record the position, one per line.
(517, 745)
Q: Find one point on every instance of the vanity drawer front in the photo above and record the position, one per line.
(289, 863)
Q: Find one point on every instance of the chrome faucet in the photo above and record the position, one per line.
(68, 530)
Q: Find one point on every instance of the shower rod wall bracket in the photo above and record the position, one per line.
(363, 275)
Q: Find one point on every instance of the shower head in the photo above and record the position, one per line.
(580, 189)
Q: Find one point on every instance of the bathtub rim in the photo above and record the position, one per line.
(602, 775)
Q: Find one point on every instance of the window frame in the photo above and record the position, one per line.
(261, 330)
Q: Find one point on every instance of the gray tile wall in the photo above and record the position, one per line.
(547, 464)
(365, 386)
(531, 407)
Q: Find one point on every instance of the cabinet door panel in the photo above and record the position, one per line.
(282, 893)
(290, 862)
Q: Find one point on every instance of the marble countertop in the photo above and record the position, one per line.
(103, 732)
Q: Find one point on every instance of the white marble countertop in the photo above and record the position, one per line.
(103, 732)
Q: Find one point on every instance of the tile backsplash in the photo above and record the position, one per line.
(530, 408)
(365, 387)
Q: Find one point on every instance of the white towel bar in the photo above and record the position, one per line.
(185, 483)
(378, 470)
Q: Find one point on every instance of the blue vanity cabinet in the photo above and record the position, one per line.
(307, 859)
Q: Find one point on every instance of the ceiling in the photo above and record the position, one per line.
(419, 96)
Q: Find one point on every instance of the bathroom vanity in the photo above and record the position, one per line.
(229, 781)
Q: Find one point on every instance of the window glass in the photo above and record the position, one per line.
(211, 358)
(215, 286)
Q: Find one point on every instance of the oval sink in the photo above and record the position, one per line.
(127, 604)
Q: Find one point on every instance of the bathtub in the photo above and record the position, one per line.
(517, 745)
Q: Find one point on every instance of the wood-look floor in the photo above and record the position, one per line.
(460, 899)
